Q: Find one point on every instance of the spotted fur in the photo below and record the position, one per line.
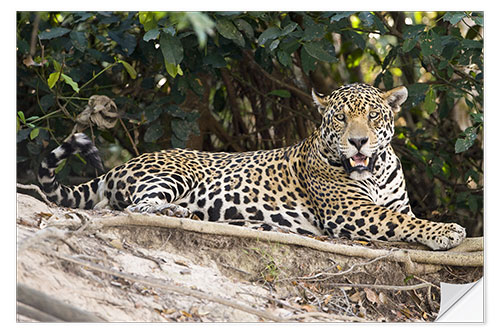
(343, 180)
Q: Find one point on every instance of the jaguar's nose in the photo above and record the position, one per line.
(358, 142)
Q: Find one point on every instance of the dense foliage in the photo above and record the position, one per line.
(236, 81)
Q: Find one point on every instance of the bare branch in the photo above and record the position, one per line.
(418, 256)
(40, 306)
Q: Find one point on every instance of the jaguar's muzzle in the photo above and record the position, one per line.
(359, 165)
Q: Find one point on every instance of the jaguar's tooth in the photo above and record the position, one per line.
(351, 161)
(366, 161)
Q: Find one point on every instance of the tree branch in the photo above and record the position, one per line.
(40, 306)
(474, 259)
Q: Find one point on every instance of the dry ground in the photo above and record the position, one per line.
(152, 274)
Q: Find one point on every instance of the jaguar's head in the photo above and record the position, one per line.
(358, 125)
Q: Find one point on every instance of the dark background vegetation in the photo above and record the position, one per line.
(237, 81)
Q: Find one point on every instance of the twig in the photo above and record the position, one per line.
(42, 235)
(170, 287)
(129, 137)
(139, 254)
(429, 299)
(375, 286)
(326, 275)
(302, 95)
(34, 34)
(391, 29)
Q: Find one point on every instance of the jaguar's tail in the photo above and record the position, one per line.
(82, 196)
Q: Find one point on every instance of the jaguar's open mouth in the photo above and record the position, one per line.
(359, 163)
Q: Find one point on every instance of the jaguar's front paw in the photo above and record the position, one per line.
(447, 236)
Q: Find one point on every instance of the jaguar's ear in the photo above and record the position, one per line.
(320, 101)
(395, 97)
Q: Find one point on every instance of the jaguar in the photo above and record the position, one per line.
(344, 180)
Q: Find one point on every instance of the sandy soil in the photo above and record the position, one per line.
(271, 278)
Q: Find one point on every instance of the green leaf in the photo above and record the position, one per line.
(464, 144)
(70, 82)
(215, 60)
(317, 50)
(83, 16)
(388, 80)
(53, 33)
(413, 31)
(227, 29)
(151, 34)
(182, 128)
(472, 174)
(289, 45)
(148, 20)
(379, 25)
(416, 93)
(339, 16)
(409, 44)
(308, 62)
(274, 45)
(408, 278)
(477, 118)
(34, 133)
(268, 34)
(289, 28)
(152, 112)
(472, 44)
(126, 41)
(20, 114)
(313, 32)
(244, 26)
(60, 166)
(130, 70)
(173, 70)
(57, 65)
(367, 18)
(47, 101)
(472, 203)
(478, 20)
(53, 78)
(281, 93)
(78, 40)
(430, 101)
(22, 134)
(355, 37)
(154, 132)
(461, 146)
(195, 85)
(171, 48)
(454, 17)
(284, 58)
(431, 44)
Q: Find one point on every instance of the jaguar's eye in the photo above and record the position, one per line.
(374, 114)
(340, 116)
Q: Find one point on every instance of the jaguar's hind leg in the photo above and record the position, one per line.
(157, 196)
